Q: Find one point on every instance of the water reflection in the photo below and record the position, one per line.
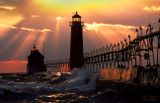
(62, 98)
(117, 74)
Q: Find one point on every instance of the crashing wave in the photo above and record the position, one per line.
(81, 79)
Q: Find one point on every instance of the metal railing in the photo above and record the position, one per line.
(141, 53)
(127, 53)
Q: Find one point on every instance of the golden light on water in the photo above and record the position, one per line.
(117, 74)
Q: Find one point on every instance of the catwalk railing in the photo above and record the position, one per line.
(141, 52)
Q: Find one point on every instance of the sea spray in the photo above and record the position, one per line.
(81, 79)
(79, 87)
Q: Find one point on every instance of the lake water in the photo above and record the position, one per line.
(79, 87)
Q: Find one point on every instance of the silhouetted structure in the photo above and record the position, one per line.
(76, 46)
(35, 62)
(132, 66)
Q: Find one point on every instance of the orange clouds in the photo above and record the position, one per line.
(46, 30)
(24, 22)
(12, 66)
(8, 20)
(59, 18)
(7, 26)
(37, 30)
(95, 26)
(26, 28)
(152, 8)
(112, 33)
(7, 7)
(35, 16)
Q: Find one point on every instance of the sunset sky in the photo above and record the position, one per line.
(46, 22)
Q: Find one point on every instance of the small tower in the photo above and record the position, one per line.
(35, 61)
(76, 46)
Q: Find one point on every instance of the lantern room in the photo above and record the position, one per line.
(76, 20)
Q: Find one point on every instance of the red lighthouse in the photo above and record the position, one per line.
(35, 61)
(76, 46)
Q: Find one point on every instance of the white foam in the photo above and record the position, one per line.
(81, 79)
(19, 86)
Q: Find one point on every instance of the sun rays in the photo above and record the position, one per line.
(27, 22)
(25, 44)
(105, 34)
(7, 22)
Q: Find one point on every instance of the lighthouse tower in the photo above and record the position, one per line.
(76, 46)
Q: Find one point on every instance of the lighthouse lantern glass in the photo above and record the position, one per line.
(76, 19)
